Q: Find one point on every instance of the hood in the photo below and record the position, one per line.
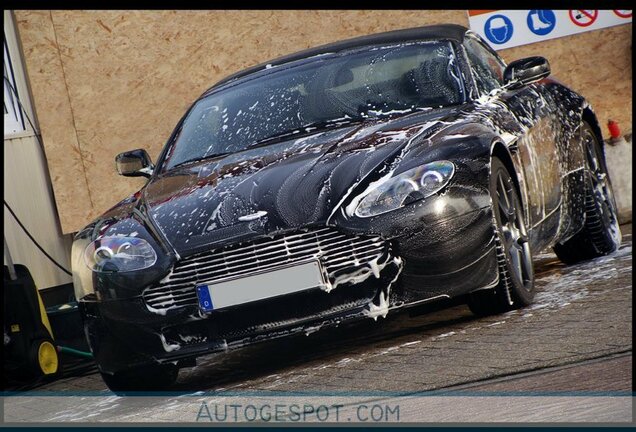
(278, 187)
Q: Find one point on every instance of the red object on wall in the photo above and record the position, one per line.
(614, 130)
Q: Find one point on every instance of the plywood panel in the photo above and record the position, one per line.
(56, 117)
(127, 78)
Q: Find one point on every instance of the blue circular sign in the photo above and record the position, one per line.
(498, 29)
(541, 22)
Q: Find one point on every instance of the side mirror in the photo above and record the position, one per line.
(134, 163)
(527, 70)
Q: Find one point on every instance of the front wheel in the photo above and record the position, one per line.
(515, 288)
(142, 379)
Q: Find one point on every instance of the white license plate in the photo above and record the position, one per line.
(259, 286)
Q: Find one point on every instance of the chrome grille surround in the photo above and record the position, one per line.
(336, 251)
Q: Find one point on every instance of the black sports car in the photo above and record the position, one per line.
(341, 183)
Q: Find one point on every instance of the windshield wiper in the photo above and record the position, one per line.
(305, 130)
(199, 159)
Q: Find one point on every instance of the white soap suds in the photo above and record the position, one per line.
(168, 347)
(382, 309)
(252, 216)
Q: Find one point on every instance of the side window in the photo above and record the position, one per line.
(487, 68)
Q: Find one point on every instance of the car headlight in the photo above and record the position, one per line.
(119, 254)
(411, 185)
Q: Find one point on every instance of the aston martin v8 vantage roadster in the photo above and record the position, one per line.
(342, 183)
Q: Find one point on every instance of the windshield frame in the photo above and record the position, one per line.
(160, 167)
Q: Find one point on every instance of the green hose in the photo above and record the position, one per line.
(74, 352)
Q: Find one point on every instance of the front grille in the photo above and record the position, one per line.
(337, 251)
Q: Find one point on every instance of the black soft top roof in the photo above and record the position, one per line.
(441, 31)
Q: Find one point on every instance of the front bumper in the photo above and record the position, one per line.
(446, 259)
(124, 334)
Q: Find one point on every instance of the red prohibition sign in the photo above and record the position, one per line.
(623, 13)
(583, 18)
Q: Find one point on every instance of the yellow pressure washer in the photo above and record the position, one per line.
(29, 347)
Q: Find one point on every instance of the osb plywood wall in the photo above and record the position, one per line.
(106, 81)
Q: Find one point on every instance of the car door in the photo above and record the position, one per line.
(538, 151)
(524, 112)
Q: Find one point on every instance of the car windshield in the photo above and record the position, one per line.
(327, 91)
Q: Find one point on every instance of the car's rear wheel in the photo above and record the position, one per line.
(515, 288)
(600, 234)
(142, 379)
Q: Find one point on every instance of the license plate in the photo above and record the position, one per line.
(234, 291)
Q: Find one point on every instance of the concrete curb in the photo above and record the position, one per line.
(618, 154)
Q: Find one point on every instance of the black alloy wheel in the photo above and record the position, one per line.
(515, 288)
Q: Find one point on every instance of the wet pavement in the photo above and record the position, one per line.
(576, 337)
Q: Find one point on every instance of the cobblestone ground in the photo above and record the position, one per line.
(580, 312)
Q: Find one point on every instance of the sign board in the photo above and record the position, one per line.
(510, 28)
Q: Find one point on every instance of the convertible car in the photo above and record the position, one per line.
(342, 183)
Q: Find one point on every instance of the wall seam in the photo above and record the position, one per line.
(70, 104)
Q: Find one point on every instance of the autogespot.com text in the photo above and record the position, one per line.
(296, 412)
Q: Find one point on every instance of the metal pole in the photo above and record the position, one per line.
(7, 255)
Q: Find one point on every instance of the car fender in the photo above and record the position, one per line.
(124, 219)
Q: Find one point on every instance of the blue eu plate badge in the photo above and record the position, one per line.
(205, 301)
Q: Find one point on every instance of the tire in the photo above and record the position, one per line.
(515, 288)
(601, 233)
(142, 379)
